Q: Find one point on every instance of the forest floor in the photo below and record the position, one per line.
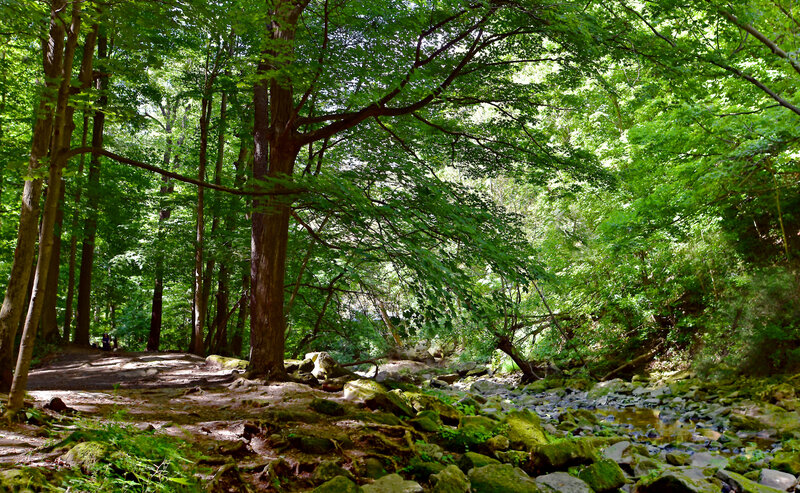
(242, 435)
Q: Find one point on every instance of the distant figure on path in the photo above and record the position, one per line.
(116, 343)
(106, 342)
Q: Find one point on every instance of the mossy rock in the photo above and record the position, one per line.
(514, 457)
(379, 417)
(425, 402)
(473, 459)
(227, 363)
(86, 455)
(737, 482)
(290, 416)
(674, 481)
(427, 421)
(339, 484)
(787, 461)
(603, 475)
(312, 444)
(26, 480)
(524, 430)
(392, 483)
(329, 469)
(422, 470)
(501, 478)
(561, 455)
(328, 407)
(450, 480)
(376, 396)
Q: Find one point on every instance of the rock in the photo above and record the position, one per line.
(562, 482)
(325, 406)
(424, 402)
(449, 378)
(615, 386)
(426, 421)
(376, 396)
(275, 470)
(643, 466)
(619, 452)
(422, 470)
(501, 478)
(705, 459)
(438, 384)
(478, 372)
(373, 468)
(227, 363)
(741, 484)
(25, 480)
(339, 484)
(674, 481)
(786, 461)
(560, 455)
(487, 387)
(776, 479)
(450, 480)
(85, 455)
(329, 469)
(524, 430)
(603, 475)
(473, 459)
(325, 366)
(428, 451)
(56, 404)
(678, 458)
(739, 421)
(392, 483)
(499, 442)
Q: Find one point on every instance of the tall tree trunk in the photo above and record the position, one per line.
(93, 194)
(73, 239)
(17, 288)
(62, 131)
(154, 336)
(200, 291)
(49, 325)
(237, 338)
(275, 150)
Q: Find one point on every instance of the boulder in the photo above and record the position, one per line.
(325, 366)
(675, 481)
(615, 386)
(329, 469)
(392, 483)
(706, 459)
(86, 455)
(787, 461)
(218, 361)
(741, 484)
(776, 479)
(450, 480)
(561, 455)
(619, 452)
(603, 475)
(339, 484)
(472, 459)
(424, 402)
(501, 478)
(524, 430)
(487, 387)
(326, 406)
(562, 482)
(376, 396)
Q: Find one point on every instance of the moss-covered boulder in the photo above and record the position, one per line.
(315, 445)
(501, 478)
(86, 455)
(674, 481)
(616, 385)
(25, 480)
(226, 362)
(425, 402)
(560, 455)
(392, 483)
(787, 461)
(603, 475)
(376, 396)
(427, 421)
(472, 459)
(739, 483)
(524, 430)
(329, 469)
(562, 482)
(422, 469)
(450, 480)
(339, 484)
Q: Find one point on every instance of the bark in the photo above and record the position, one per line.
(200, 289)
(49, 325)
(237, 339)
(528, 375)
(73, 239)
(93, 193)
(16, 290)
(156, 313)
(60, 141)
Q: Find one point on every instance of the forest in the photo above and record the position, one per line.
(584, 188)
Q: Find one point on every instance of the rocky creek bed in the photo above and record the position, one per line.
(445, 429)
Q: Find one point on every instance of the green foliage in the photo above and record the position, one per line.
(137, 461)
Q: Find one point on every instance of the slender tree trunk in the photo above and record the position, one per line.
(73, 239)
(16, 290)
(93, 193)
(237, 339)
(200, 292)
(49, 324)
